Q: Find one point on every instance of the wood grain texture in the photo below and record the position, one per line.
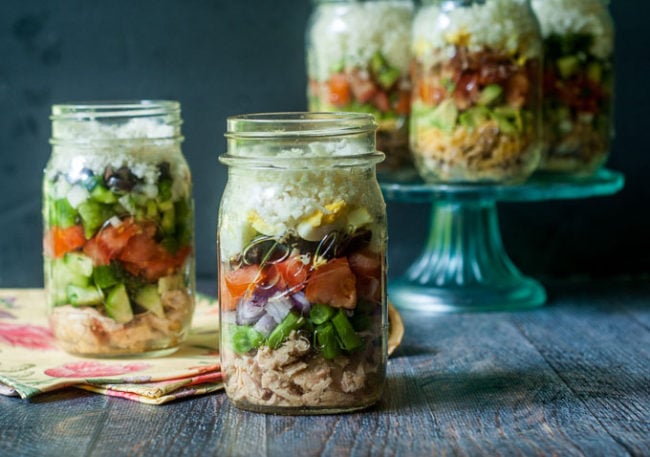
(570, 379)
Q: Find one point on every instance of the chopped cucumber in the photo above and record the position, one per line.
(169, 283)
(444, 116)
(568, 66)
(474, 117)
(78, 263)
(102, 194)
(388, 77)
(118, 305)
(84, 296)
(509, 119)
(62, 275)
(148, 298)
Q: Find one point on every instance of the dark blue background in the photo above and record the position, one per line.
(227, 57)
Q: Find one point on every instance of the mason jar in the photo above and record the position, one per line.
(302, 264)
(476, 78)
(578, 84)
(358, 60)
(118, 237)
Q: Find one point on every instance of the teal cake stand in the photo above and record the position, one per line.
(464, 266)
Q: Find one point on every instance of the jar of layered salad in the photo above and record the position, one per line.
(118, 229)
(358, 60)
(302, 264)
(476, 90)
(578, 84)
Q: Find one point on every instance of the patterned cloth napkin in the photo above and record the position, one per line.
(30, 362)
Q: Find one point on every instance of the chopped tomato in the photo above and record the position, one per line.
(226, 300)
(114, 239)
(339, 89)
(293, 272)
(143, 256)
(366, 266)
(363, 88)
(380, 100)
(333, 284)
(403, 104)
(242, 279)
(57, 241)
(97, 252)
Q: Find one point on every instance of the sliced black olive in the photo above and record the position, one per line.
(120, 180)
(264, 250)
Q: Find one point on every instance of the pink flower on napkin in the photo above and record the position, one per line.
(94, 369)
(27, 336)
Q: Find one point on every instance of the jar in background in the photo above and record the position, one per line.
(118, 229)
(302, 264)
(578, 84)
(476, 90)
(358, 60)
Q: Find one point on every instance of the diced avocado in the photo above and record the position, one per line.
(62, 214)
(148, 298)
(168, 221)
(118, 305)
(388, 77)
(165, 189)
(509, 119)
(104, 276)
(444, 116)
(93, 215)
(102, 194)
(567, 66)
(78, 263)
(489, 94)
(595, 72)
(84, 296)
(474, 117)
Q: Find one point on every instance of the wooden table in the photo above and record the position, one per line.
(572, 378)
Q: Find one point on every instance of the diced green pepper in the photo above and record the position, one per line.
(292, 322)
(104, 276)
(245, 338)
(63, 214)
(326, 341)
(102, 195)
(348, 338)
(93, 215)
(320, 313)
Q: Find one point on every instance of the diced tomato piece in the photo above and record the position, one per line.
(115, 239)
(243, 279)
(97, 252)
(339, 89)
(293, 272)
(333, 284)
(58, 241)
(431, 94)
(403, 104)
(363, 89)
(367, 268)
(381, 101)
(143, 256)
(226, 300)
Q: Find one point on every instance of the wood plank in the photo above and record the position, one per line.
(603, 355)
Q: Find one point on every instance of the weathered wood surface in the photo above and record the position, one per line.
(571, 379)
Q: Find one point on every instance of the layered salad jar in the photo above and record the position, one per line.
(302, 264)
(476, 91)
(118, 229)
(358, 60)
(578, 84)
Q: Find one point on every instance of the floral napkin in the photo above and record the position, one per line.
(30, 362)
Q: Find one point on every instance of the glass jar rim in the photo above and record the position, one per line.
(299, 125)
(113, 109)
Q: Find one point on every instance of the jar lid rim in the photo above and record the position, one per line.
(114, 108)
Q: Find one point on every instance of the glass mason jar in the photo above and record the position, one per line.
(578, 84)
(476, 77)
(118, 229)
(302, 264)
(358, 60)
